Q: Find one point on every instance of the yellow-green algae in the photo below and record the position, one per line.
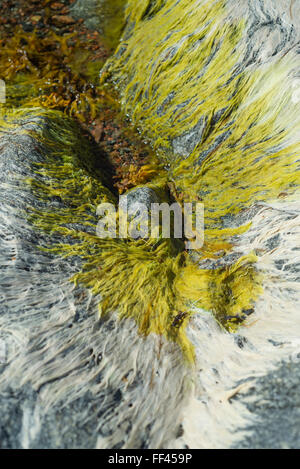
(160, 282)
(191, 69)
(185, 71)
(182, 61)
(188, 68)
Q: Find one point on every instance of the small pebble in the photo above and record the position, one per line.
(63, 20)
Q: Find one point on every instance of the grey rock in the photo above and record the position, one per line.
(68, 379)
(104, 16)
(186, 143)
(136, 205)
(274, 402)
(31, 286)
(87, 10)
(139, 195)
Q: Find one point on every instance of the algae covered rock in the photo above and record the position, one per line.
(218, 103)
(216, 90)
(33, 284)
(57, 356)
(109, 336)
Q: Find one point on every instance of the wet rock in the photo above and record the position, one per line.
(274, 402)
(102, 15)
(138, 203)
(24, 425)
(57, 389)
(38, 278)
(140, 195)
(136, 206)
(86, 10)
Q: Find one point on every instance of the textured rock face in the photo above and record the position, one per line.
(218, 87)
(274, 400)
(86, 11)
(32, 288)
(68, 379)
(214, 86)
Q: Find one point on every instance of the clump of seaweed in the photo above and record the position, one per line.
(163, 286)
(53, 71)
(191, 76)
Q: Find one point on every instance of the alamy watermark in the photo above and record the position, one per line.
(139, 221)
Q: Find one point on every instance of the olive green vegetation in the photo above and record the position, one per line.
(191, 69)
(160, 281)
(177, 63)
(112, 15)
(53, 71)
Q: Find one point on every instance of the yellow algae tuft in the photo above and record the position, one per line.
(258, 159)
(163, 286)
(190, 73)
(228, 292)
(178, 68)
(185, 70)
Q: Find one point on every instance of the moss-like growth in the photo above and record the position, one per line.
(192, 77)
(188, 71)
(147, 280)
(54, 71)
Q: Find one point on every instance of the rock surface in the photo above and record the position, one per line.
(68, 379)
(274, 402)
(141, 195)
(207, 81)
(71, 380)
